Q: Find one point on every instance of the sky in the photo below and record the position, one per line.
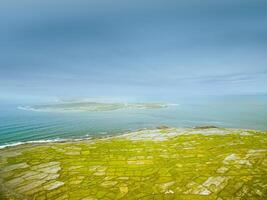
(135, 49)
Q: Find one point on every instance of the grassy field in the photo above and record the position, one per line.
(164, 163)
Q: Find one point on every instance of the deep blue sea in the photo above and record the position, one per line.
(17, 126)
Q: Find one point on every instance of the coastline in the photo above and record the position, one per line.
(121, 134)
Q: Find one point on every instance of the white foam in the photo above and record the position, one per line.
(173, 104)
(43, 141)
(27, 108)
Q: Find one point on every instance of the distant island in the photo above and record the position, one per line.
(86, 106)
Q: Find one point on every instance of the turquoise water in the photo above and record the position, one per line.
(233, 112)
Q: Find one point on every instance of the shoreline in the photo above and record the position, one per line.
(121, 134)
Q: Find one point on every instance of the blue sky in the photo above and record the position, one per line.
(145, 49)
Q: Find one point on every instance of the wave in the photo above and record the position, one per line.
(43, 141)
(28, 108)
(173, 104)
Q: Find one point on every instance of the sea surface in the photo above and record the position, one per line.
(18, 126)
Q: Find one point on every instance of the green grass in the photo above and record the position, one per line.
(189, 165)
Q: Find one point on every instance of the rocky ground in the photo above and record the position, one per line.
(164, 163)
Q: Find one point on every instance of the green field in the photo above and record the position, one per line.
(164, 163)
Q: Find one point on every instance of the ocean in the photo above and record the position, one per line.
(19, 126)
